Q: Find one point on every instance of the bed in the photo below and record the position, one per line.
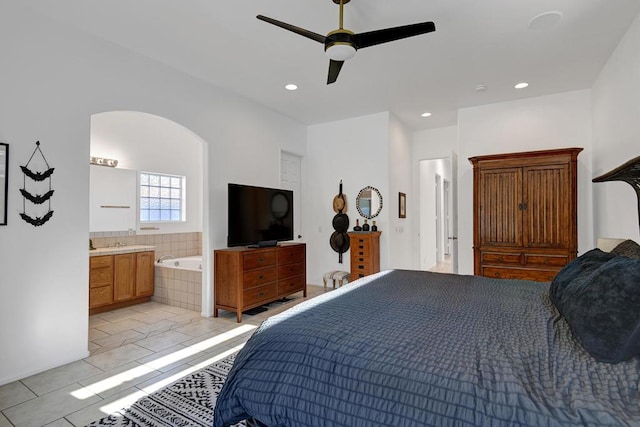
(410, 348)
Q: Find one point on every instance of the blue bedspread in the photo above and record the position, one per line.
(408, 348)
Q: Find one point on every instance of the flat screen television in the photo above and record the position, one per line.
(259, 216)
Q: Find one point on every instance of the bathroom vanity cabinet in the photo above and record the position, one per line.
(118, 280)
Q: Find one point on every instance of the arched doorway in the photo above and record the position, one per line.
(143, 142)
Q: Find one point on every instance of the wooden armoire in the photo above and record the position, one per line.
(525, 213)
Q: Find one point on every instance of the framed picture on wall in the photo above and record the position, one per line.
(4, 181)
(402, 205)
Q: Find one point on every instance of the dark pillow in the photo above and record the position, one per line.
(581, 267)
(628, 248)
(603, 310)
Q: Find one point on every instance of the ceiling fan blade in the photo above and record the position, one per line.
(373, 38)
(306, 33)
(334, 70)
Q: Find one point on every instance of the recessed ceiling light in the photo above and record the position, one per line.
(425, 114)
(291, 86)
(545, 20)
(521, 85)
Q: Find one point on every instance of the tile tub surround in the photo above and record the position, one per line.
(179, 288)
(133, 350)
(175, 244)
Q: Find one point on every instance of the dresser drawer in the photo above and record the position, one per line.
(360, 260)
(100, 277)
(100, 261)
(361, 247)
(519, 273)
(289, 254)
(364, 267)
(550, 260)
(291, 285)
(359, 273)
(259, 277)
(258, 259)
(289, 270)
(260, 294)
(100, 296)
(501, 258)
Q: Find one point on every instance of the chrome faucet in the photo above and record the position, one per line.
(162, 258)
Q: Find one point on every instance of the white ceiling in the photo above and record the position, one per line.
(476, 42)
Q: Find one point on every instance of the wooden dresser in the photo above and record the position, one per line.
(365, 253)
(247, 278)
(525, 213)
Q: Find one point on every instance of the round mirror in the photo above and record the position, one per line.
(369, 202)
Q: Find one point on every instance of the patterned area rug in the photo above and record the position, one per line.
(189, 401)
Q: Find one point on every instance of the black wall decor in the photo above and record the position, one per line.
(36, 189)
(339, 240)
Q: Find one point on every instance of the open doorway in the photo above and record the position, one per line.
(146, 144)
(437, 215)
(291, 179)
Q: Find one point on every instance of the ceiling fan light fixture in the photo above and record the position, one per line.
(340, 51)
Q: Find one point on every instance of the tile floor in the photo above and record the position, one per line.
(134, 351)
(442, 266)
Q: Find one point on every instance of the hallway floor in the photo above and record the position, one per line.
(134, 351)
(442, 266)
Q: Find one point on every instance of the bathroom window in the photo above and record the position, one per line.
(161, 197)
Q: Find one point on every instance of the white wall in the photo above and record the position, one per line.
(144, 142)
(400, 230)
(554, 121)
(53, 80)
(616, 137)
(357, 152)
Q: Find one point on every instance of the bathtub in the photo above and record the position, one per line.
(193, 263)
(178, 282)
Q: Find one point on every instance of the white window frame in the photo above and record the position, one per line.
(161, 197)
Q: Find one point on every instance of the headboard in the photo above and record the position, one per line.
(607, 244)
(629, 173)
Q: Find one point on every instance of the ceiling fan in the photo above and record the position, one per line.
(342, 44)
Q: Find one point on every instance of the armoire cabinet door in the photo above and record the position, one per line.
(547, 213)
(500, 198)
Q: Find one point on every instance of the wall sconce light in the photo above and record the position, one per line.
(112, 163)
